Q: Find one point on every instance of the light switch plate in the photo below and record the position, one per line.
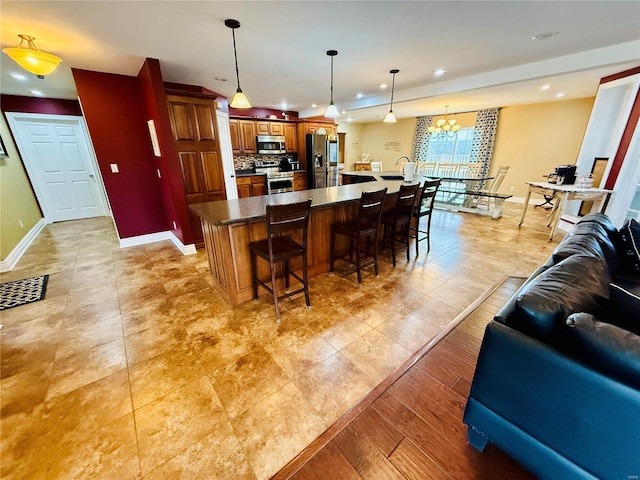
(114, 168)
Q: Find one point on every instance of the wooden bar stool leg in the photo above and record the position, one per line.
(394, 230)
(254, 276)
(275, 293)
(306, 281)
(406, 238)
(357, 241)
(286, 274)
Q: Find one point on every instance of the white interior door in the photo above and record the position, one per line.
(60, 164)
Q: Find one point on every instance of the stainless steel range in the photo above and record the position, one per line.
(277, 181)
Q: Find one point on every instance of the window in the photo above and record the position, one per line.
(455, 149)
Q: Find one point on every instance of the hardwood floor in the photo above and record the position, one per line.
(410, 426)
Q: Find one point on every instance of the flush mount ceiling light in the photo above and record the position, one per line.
(239, 100)
(444, 126)
(332, 111)
(439, 72)
(29, 57)
(391, 118)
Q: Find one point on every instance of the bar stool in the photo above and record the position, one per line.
(365, 227)
(424, 208)
(399, 217)
(278, 247)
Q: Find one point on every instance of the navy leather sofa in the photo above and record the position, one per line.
(557, 383)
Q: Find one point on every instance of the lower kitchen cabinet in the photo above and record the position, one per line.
(251, 186)
(299, 181)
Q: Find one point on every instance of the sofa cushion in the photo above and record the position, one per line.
(597, 232)
(624, 308)
(605, 222)
(606, 347)
(630, 247)
(579, 283)
(576, 245)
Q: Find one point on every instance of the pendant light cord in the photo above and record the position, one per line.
(235, 55)
(331, 79)
(393, 84)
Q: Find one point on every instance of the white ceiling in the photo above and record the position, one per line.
(486, 47)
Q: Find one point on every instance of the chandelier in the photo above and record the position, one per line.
(31, 58)
(444, 126)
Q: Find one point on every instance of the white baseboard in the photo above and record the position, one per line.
(8, 263)
(158, 237)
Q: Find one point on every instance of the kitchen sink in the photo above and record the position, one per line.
(392, 177)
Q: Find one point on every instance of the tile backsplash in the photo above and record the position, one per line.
(245, 162)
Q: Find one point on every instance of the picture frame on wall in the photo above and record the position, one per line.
(3, 150)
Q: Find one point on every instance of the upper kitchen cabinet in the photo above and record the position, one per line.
(269, 128)
(291, 137)
(313, 127)
(243, 136)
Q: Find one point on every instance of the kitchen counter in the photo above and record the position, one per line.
(225, 212)
(230, 225)
(240, 174)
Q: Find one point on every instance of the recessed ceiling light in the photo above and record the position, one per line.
(283, 106)
(18, 76)
(545, 87)
(349, 119)
(343, 112)
(221, 79)
(313, 105)
(439, 72)
(383, 85)
(560, 94)
(359, 95)
(38, 93)
(544, 36)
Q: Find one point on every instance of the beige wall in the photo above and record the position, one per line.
(353, 143)
(17, 201)
(531, 139)
(534, 139)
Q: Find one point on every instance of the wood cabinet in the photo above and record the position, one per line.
(299, 181)
(193, 124)
(269, 128)
(291, 137)
(251, 186)
(243, 136)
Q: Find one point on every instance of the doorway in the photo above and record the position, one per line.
(61, 166)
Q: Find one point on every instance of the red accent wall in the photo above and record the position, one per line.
(171, 185)
(49, 106)
(114, 109)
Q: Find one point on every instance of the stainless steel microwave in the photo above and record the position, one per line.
(270, 144)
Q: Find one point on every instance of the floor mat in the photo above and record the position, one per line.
(21, 292)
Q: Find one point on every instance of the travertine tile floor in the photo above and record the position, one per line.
(133, 367)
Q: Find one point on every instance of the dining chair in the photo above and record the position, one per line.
(424, 208)
(365, 227)
(493, 187)
(397, 220)
(287, 228)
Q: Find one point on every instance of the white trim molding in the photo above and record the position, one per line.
(158, 237)
(8, 263)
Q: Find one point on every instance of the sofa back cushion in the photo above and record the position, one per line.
(624, 306)
(580, 283)
(582, 235)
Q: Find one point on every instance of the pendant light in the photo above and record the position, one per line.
(391, 118)
(239, 100)
(31, 58)
(332, 111)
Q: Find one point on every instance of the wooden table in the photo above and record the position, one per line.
(230, 225)
(562, 194)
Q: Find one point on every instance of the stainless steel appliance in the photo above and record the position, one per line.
(322, 161)
(289, 162)
(277, 181)
(270, 144)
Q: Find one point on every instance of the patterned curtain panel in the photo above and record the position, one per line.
(483, 139)
(421, 139)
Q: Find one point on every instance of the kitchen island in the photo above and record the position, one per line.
(230, 225)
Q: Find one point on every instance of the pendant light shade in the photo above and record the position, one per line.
(32, 59)
(391, 117)
(239, 100)
(332, 111)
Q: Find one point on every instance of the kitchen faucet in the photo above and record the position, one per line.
(404, 156)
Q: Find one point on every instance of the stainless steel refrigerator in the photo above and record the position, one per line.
(322, 161)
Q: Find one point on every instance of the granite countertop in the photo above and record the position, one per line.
(380, 176)
(243, 173)
(225, 212)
